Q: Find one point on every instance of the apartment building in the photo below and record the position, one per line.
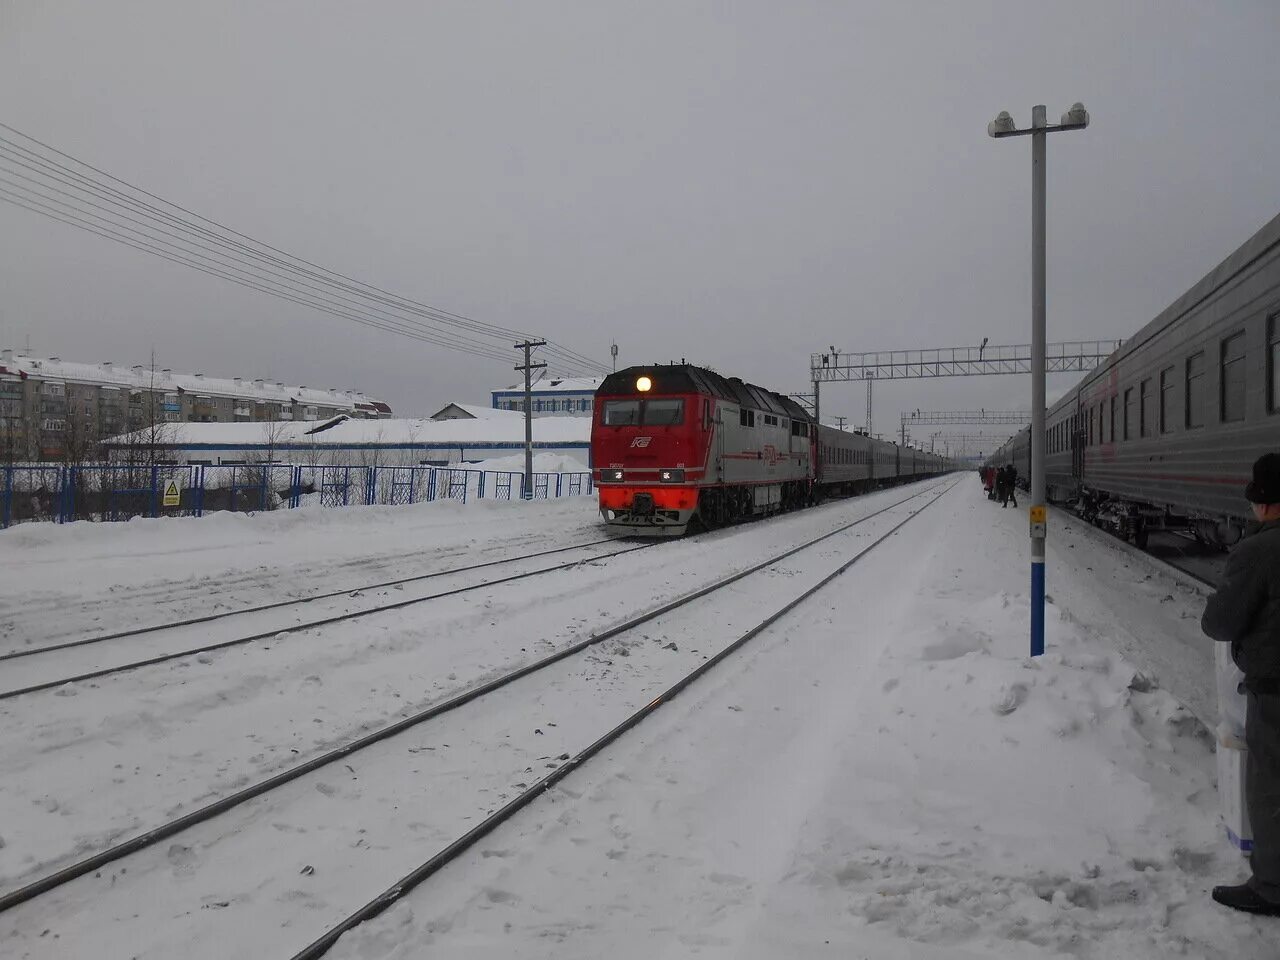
(551, 396)
(54, 409)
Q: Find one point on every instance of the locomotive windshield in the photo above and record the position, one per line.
(663, 412)
(653, 413)
(621, 413)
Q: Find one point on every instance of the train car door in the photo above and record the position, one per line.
(717, 425)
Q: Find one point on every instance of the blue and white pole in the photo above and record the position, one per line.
(1038, 529)
(1077, 118)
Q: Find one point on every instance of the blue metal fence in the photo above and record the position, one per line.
(107, 492)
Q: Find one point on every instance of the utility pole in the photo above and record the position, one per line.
(613, 352)
(869, 382)
(816, 419)
(526, 492)
(1077, 118)
(840, 422)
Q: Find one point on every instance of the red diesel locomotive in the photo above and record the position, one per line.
(671, 445)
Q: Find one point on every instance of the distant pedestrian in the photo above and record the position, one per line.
(1011, 486)
(1245, 612)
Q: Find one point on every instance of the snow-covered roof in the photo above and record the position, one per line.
(474, 412)
(143, 377)
(398, 432)
(559, 385)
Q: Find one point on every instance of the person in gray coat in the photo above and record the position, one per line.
(1245, 612)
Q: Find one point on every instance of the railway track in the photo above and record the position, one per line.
(397, 891)
(96, 862)
(28, 675)
(291, 602)
(25, 678)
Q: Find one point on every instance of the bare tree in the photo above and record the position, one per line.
(152, 438)
(274, 432)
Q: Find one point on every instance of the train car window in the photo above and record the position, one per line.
(1147, 413)
(1129, 413)
(621, 413)
(1233, 378)
(1166, 399)
(1111, 422)
(662, 413)
(1195, 390)
(742, 418)
(1273, 363)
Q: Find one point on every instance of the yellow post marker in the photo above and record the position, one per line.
(1039, 520)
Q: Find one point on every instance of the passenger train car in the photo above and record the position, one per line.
(674, 445)
(1163, 434)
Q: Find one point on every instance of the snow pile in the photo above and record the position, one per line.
(1060, 803)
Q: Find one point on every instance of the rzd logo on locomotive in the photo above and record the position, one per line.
(641, 441)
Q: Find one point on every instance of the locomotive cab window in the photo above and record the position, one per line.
(621, 413)
(651, 413)
(663, 413)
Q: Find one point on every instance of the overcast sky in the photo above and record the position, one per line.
(736, 183)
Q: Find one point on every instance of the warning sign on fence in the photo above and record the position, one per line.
(172, 495)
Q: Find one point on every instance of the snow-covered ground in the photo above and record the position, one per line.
(66, 580)
(883, 773)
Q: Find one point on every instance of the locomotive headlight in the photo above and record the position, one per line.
(644, 384)
(672, 476)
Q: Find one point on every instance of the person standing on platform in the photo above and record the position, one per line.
(1012, 485)
(1245, 612)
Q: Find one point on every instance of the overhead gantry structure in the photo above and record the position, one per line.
(982, 360)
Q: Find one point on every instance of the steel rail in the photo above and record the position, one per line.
(322, 622)
(319, 947)
(277, 604)
(140, 842)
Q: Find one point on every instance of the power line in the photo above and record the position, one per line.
(227, 261)
(50, 212)
(442, 327)
(431, 312)
(168, 218)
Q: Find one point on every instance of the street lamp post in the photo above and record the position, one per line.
(1077, 118)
